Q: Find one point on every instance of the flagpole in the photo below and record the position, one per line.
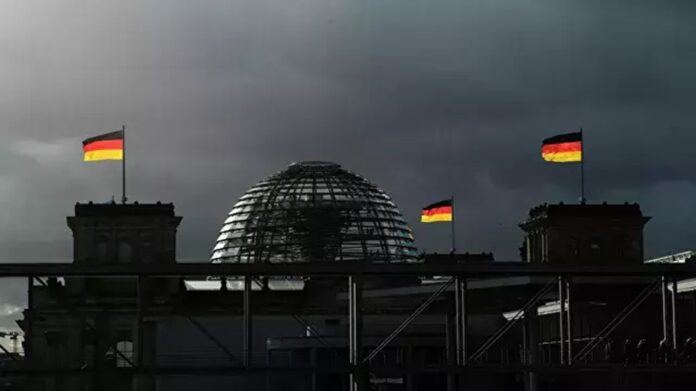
(582, 168)
(453, 246)
(123, 166)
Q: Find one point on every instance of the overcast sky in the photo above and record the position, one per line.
(424, 98)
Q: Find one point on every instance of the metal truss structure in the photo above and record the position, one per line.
(463, 359)
(314, 211)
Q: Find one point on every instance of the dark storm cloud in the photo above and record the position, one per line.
(426, 99)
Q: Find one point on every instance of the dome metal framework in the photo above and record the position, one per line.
(314, 212)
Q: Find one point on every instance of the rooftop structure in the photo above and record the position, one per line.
(585, 234)
(124, 233)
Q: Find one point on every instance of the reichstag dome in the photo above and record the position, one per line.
(314, 212)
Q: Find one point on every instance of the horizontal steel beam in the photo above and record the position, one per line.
(339, 269)
(183, 370)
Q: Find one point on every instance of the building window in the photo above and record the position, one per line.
(125, 251)
(124, 354)
(146, 246)
(101, 249)
(596, 246)
(574, 247)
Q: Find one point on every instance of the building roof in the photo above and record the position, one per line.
(563, 211)
(112, 209)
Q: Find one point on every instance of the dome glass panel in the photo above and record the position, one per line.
(314, 212)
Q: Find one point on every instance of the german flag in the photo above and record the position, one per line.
(105, 147)
(564, 148)
(439, 211)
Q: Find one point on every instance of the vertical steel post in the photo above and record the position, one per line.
(461, 320)
(561, 319)
(139, 328)
(582, 169)
(246, 343)
(123, 168)
(355, 325)
(531, 343)
(458, 319)
(28, 330)
(674, 317)
(569, 320)
(28, 335)
(665, 309)
(314, 362)
(140, 349)
(450, 348)
(453, 251)
(410, 384)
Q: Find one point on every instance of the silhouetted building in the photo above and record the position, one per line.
(585, 234)
(116, 233)
(318, 212)
(92, 322)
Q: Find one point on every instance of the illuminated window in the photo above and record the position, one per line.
(596, 245)
(124, 354)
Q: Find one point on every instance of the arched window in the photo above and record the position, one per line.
(124, 354)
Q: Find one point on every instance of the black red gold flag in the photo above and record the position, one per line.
(437, 212)
(107, 146)
(564, 148)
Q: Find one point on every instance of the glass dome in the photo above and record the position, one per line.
(314, 212)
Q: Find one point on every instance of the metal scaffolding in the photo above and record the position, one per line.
(358, 367)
